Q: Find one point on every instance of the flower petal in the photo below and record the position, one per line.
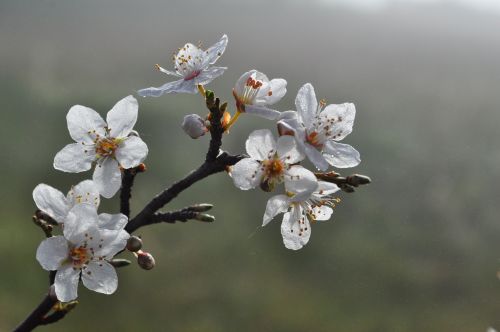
(301, 182)
(66, 283)
(343, 119)
(131, 152)
(260, 144)
(214, 52)
(326, 188)
(180, 86)
(74, 158)
(262, 111)
(51, 201)
(52, 252)
(315, 157)
(275, 205)
(295, 229)
(84, 123)
(81, 222)
(84, 192)
(111, 242)
(275, 90)
(341, 155)
(288, 150)
(168, 72)
(122, 117)
(209, 74)
(239, 87)
(100, 277)
(322, 212)
(246, 174)
(112, 221)
(107, 177)
(306, 104)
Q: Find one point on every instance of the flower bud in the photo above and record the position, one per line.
(134, 243)
(202, 207)
(145, 260)
(205, 217)
(194, 125)
(357, 179)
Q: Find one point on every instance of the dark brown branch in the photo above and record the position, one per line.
(126, 189)
(37, 316)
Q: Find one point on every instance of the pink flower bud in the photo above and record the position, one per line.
(194, 125)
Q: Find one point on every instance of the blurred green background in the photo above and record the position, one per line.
(417, 250)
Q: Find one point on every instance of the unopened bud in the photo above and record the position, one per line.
(194, 125)
(203, 207)
(141, 168)
(357, 179)
(145, 260)
(205, 217)
(134, 243)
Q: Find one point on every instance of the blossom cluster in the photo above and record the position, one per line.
(313, 131)
(89, 241)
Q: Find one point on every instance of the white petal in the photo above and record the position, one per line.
(51, 201)
(341, 155)
(239, 87)
(213, 53)
(84, 123)
(262, 111)
(315, 157)
(275, 90)
(260, 144)
(168, 72)
(295, 229)
(66, 283)
(82, 221)
(209, 74)
(112, 221)
(246, 174)
(275, 205)
(131, 152)
(306, 104)
(343, 119)
(180, 86)
(100, 277)
(322, 212)
(301, 182)
(326, 188)
(84, 192)
(288, 151)
(74, 158)
(288, 115)
(107, 177)
(122, 117)
(52, 252)
(111, 242)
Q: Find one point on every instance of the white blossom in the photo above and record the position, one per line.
(253, 92)
(299, 214)
(193, 66)
(56, 205)
(109, 145)
(318, 128)
(88, 243)
(194, 125)
(272, 162)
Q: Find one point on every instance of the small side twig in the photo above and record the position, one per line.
(346, 184)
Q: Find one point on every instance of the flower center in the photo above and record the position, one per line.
(106, 147)
(250, 91)
(79, 256)
(314, 139)
(273, 168)
(192, 75)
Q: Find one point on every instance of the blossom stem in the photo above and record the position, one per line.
(233, 120)
(201, 89)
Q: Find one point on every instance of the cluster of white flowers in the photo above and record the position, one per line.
(312, 130)
(89, 241)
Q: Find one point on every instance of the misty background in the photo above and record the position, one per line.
(417, 250)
